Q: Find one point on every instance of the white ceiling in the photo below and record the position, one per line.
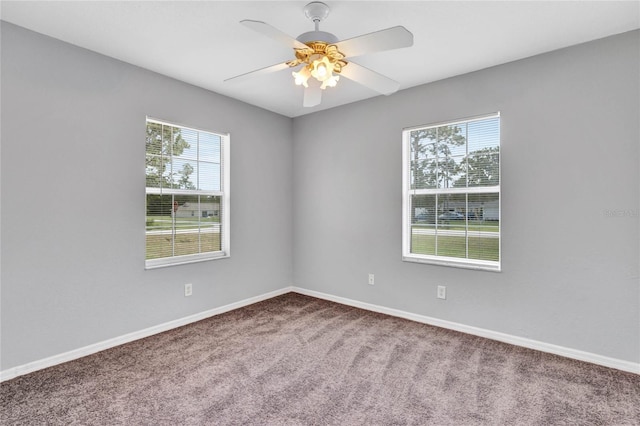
(202, 42)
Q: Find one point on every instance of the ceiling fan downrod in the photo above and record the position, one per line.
(317, 11)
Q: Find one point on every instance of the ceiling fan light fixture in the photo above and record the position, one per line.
(321, 61)
(322, 69)
(301, 77)
(330, 82)
(321, 58)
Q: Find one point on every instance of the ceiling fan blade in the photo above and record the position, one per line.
(312, 96)
(258, 72)
(371, 79)
(391, 38)
(273, 33)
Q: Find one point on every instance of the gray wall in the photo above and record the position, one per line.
(570, 139)
(317, 212)
(73, 213)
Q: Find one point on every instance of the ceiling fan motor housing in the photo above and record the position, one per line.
(317, 36)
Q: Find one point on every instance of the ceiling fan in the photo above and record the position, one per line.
(321, 58)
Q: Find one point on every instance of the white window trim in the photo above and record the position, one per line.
(225, 251)
(407, 192)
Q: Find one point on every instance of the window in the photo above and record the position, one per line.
(187, 195)
(451, 193)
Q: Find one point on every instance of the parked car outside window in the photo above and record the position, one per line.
(451, 215)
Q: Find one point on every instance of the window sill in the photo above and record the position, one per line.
(184, 260)
(456, 263)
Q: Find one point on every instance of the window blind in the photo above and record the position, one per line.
(187, 193)
(451, 193)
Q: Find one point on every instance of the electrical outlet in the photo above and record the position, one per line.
(188, 289)
(442, 292)
(371, 279)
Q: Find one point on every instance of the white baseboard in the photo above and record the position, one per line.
(11, 373)
(628, 366)
(631, 367)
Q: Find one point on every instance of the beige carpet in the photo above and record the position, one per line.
(297, 360)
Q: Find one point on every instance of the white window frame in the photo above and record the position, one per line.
(407, 192)
(224, 194)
